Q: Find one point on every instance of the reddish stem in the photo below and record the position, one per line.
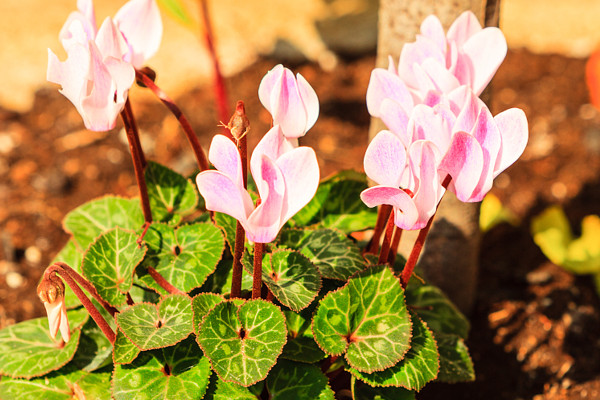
(131, 119)
(418, 246)
(382, 216)
(183, 121)
(220, 92)
(394, 246)
(387, 240)
(257, 270)
(162, 282)
(137, 156)
(270, 295)
(237, 270)
(58, 268)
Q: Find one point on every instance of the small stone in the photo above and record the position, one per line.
(14, 280)
(538, 277)
(7, 144)
(33, 255)
(559, 190)
(587, 111)
(51, 181)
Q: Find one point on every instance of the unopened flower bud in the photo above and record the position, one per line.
(238, 124)
(50, 289)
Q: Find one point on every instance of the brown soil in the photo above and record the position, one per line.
(535, 329)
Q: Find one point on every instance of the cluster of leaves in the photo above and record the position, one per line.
(329, 301)
(552, 233)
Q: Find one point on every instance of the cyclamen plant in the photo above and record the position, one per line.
(261, 291)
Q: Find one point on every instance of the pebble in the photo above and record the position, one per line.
(52, 181)
(7, 144)
(587, 111)
(14, 280)
(33, 255)
(538, 277)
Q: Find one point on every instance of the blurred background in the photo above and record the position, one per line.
(536, 327)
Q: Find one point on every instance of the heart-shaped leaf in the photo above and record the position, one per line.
(228, 225)
(109, 263)
(94, 351)
(59, 385)
(184, 256)
(440, 314)
(124, 351)
(243, 342)
(73, 257)
(89, 220)
(336, 256)
(301, 345)
(367, 319)
(229, 390)
(176, 372)
(290, 276)
(455, 363)
(171, 196)
(298, 381)
(419, 366)
(337, 204)
(365, 392)
(27, 350)
(151, 326)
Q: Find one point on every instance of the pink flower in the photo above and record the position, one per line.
(51, 291)
(293, 103)
(466, 55)
(99, 69)
(286, 179)
(407, 180)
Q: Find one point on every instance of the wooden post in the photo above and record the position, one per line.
(450, 257)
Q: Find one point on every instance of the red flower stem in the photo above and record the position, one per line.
(418, 246)
(387, 240)
(87, 286)
(136, 156)
(183, 121)
(394, 246)
(257, 270)
(129, 112)
(382, 216)
(89, 306)
(162, 282)
(270, 295)
(238, 127)
(220, 92)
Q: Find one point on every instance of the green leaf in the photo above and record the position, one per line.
(59, 385)
(301, 345)
(178, 11)
(365, 392)
(177, 372)
(171, 195)
(455, 363)
(27, 350)
(151, 326)
(367, 319)
(184, 256)
(290, 380)
(89, 220)
(243, 342)
(440, 314)
(109, 264)
(291, 277)
(228, 225)
(230, 391)
(124, 351)
(337, 204)
(202, 304)
(492, 213)
(73, 257)
(419, 366)
(94, 351)
(336, 256)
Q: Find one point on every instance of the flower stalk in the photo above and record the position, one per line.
(162, 282)
(257, 270)
(382, 216)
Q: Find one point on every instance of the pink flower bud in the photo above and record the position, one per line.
(51, 291)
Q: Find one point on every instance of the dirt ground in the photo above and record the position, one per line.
(535, 328)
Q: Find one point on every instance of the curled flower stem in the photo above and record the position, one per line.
(257, 270)
(183, 121)
(220, 92)
(387, 240)
(137, 157)
(382, 216)
(65, 272)
(162, 282)
(418, 246)
(394, 246)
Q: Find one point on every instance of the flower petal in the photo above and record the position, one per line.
(465, 26)
(385, 159)
(424, 158)
(432, 28)
(53, 310)
(287, 107)
(414, 54)
(267, 85)
(464, 163)
(221, 194)
(65, 331)
(488, 135)
(405, 212)
(387, 85)
(300, 171)
(485, 51)
(310, 101)
(225, 156)
(396, 119)
(513, 129)
(110, 40)
(140, 23)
